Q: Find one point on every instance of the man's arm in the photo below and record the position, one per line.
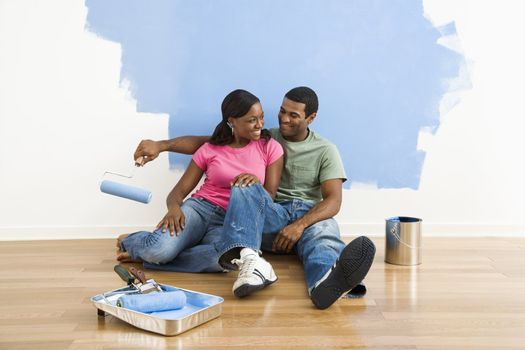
(148, 150)
(332, 192)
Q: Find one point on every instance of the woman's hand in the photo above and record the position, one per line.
(174, 220)
(245, 180)
(146, 151)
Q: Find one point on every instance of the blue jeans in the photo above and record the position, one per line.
(193, 250)
(253, 220)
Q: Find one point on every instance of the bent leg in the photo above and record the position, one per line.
(158, 247)
(318, 248)
(200, 258)
(251, 211)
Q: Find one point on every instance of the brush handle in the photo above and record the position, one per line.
(139, 274)
(124, 274)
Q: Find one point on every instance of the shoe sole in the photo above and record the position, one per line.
(353, 265)
(247, 289)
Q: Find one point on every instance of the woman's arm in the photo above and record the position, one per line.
(273, 177)
(174, 219)
(186, 184)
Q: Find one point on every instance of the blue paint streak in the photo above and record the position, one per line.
(375, 65)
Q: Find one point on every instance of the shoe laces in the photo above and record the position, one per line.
(246, 266)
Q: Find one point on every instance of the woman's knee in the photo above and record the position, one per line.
(247, 192)
(162, 249)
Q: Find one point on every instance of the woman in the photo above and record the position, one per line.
(239, 153)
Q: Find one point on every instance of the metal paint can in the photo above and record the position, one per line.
(403, 241)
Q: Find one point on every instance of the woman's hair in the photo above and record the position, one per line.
(235, 105)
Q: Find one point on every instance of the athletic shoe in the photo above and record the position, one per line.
(255, 273)
(348, 271)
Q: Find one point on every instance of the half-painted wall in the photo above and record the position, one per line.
(377, 66)
(83, 83)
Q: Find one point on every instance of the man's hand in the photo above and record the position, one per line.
(245, 180)
(287, 237)
(146, 151)
(174, 220)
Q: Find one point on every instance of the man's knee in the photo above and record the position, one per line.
(323, 233)
(324, 228)
(320, 239)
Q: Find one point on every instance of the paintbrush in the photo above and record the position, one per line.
(145, 286)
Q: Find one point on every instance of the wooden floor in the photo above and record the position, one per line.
(469, 293)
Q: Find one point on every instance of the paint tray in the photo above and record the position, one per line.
(199, 308)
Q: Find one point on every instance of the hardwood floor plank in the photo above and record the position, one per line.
(468, 294)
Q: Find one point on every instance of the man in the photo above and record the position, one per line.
(301, 219)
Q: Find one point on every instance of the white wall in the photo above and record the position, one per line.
(61, 117)
(61, 112)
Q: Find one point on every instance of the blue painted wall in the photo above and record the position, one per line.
(375, 65)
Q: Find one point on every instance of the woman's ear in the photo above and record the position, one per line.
(231, 122)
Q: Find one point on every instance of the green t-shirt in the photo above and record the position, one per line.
(306, 164)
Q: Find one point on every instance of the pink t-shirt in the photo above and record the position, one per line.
(222, 164)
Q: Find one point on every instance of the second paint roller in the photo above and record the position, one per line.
(125, 191)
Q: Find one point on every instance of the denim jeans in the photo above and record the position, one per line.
(193, 250)
(253, 220)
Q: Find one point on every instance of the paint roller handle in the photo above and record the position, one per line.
(149, 149)
(146, 151)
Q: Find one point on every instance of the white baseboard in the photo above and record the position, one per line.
(66, 232)
(439, 230)
(347, 230)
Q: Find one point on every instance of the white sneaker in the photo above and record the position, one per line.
(255, 273)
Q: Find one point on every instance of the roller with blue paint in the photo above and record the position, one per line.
(153, 302)
(134, 193)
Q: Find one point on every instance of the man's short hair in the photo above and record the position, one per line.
(304, 94)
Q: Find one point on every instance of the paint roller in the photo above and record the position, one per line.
(125, 191)
(153, 302)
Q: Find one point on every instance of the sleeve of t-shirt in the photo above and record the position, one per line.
(274, 151)
(332, 165)
(201, 156)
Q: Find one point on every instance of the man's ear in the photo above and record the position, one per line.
(311, 118)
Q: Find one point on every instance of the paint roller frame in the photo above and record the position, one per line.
(124, 191)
